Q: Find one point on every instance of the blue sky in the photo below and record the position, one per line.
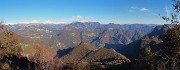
(66, 11)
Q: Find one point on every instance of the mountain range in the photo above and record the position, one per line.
(82, 45)
(62, 36)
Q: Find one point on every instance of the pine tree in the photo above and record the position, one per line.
(146, 60)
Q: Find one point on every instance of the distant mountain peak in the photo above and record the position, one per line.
(159, 30)
(83, 22)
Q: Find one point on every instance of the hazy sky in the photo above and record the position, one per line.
(104, 11)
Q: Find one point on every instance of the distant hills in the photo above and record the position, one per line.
(61, 36)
